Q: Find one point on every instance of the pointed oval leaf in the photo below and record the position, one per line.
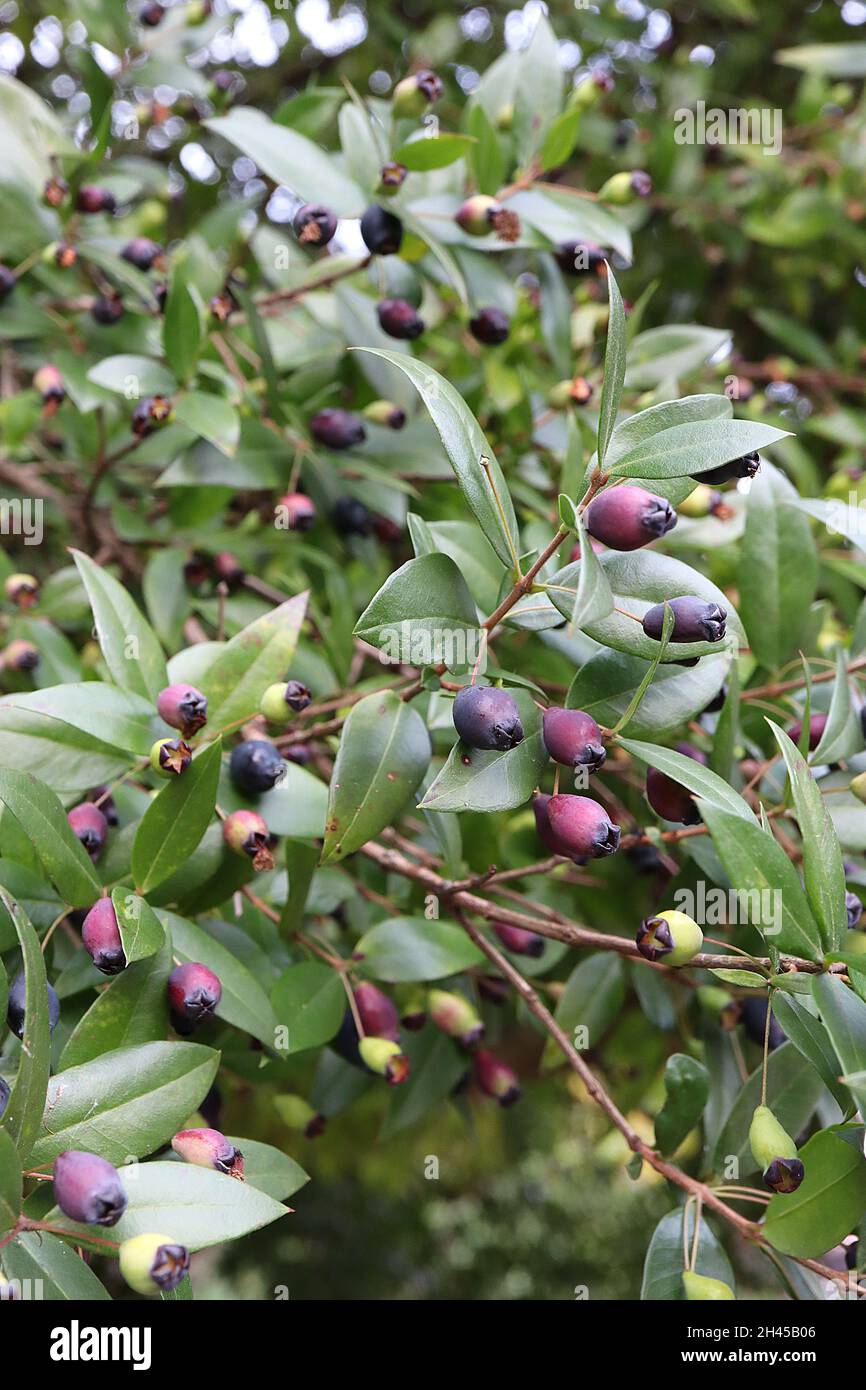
(176, 819)
(132, 653)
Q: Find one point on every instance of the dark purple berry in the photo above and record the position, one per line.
(337, 429)
(817, 725)
(583, 825)
(255, 766)
(490, 326)
(297, 696)
(314, 225)
(352, 517)
(399, 319)
(107, 309)
(15, 1009)
(486, 716)
(88, 1188)
(854, 909)
(784, 1174)
(573, 738)
(519, 941)
(141, 252)
(626, 518)
(101, 936)
(5, 1093)
(580, 258)
(149, 414)
(7, 282)
(91, 198)
(670, 800)
(382, 231)
(89, 825)
(695, 620)
(193, 994)
(745, 467)
(151, 15)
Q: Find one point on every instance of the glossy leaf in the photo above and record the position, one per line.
(132, 653)
(309, 1002)
(406, 949)
(828, 1203)
(244, 668)
(687, 1084)
(23, 1113)
(176, 819)
(475, 779)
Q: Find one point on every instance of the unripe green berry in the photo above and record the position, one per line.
(384, 1057)
(670, 937)
(700, 1288)
(170, 757)
(857, 786)
(153, 1264)
(767, 1138)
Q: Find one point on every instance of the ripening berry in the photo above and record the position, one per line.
(5, 1093)
(55, 191)
(480, 215)
(107, 309)
(92, 198)
(382, 232)
(454, 1014)
(817, 725)
(207, 1148)
(314, 225)
(490, 326)
(494, 1078)
(300, 510)
(391, 177)
(701, 1288)
(228, 569)
(695, 620)
(89, 825)
(378, 1013)
(669, 799)
(151, 14)
(170, 757)
(745, 467)
(624, 187)
(413, 1015)
(193, 994)
(22, 590)
(580, 258)
(153, 1264)
(16, 1006)
(149, 414)
(245, 832)
(413, 94)
(399, 319)
(775, 1152)
(255, 766)
(142, 253)
(384, 1057)
(20, 656)
(544, 831)
(670, 936)
(299, 753)
(88, 1188)
(281, 700)
(352, 517)
(718, 1005)
(754, 1016)
(183, 707)
(573, 739)
(519, 941)
(101, 936)
(385, 413)
(582, 825)
(298, 1114)
(854, 909)
(337, 429)
(487, 717)
(625, 518)
(49, 383)
(223, 305)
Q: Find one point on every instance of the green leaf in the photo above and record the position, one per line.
(823, 868)
(663, 354)
(766, 882)
(43, 820)
(270, 1170)
(423, 614)
(126, 1103)
(691, 774)
(132, 653)
(290, 158)
(828, 1203)
(406, 949)
(436, 1066)
(254, 659)
(614, 368)
(642, 426)
(133, 1009)
(196, 1206)
(141, 932)
(182, 325)
(10, 1182)
(687, 1086)
(384, 752)
(244, 1003)
(843, 734)
(649, 676)
(693, 448)
(477, 780)
(663, 1266)
(538, 95)
(309, 1002)
(560, 139)
(433, 151)
(793, 1091)
(638, 580)
(165, 594)
(837, 516)
(836, 60)
(212, 418)
(118, 717)
(133, 377)
(811, 1039)
(464, 442)
(778, 569)
(844, 1016)
(593, 601)
(607, 684)
(486, 154)
(24, 1109)
(52, 1264)
(592, 999)
(176, 819)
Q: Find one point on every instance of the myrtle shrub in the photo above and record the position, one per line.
(430, 657)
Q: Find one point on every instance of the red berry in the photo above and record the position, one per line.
(88, 1188)
(193, 994)
(626, 518)
(89, 826)
(101, 937)
(494, 1078)
(583, 825)
(572, 738)
(183, 707)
